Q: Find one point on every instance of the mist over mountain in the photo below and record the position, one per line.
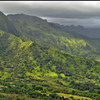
(83, 13)
(93, 32)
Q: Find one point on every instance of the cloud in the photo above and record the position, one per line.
(64, 12)
(60, 9)
(90, 22)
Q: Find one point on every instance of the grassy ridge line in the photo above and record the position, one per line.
(74, 96)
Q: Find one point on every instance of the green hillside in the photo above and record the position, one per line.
(39, 30)
(38, 72)
(39, 62)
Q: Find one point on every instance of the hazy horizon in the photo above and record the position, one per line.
(85, 13)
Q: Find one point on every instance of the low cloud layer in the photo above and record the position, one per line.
(86, 13)
(90, 22)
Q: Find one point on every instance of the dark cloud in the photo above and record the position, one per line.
(85, 13)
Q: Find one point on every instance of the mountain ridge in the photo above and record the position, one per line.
(47, 35)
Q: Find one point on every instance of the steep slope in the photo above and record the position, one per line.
(39, 30)
(7, 25)
(33, 70)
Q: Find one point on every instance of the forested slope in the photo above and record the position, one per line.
(36, 71)
(42, 63)
(39, 30)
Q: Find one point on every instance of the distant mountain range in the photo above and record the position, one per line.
(90, 32)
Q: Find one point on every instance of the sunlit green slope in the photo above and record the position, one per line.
(36, 71)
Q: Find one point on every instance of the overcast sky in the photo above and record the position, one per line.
(86, 13)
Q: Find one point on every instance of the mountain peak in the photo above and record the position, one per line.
(25, 16)
(30, 20)
(2, 14)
